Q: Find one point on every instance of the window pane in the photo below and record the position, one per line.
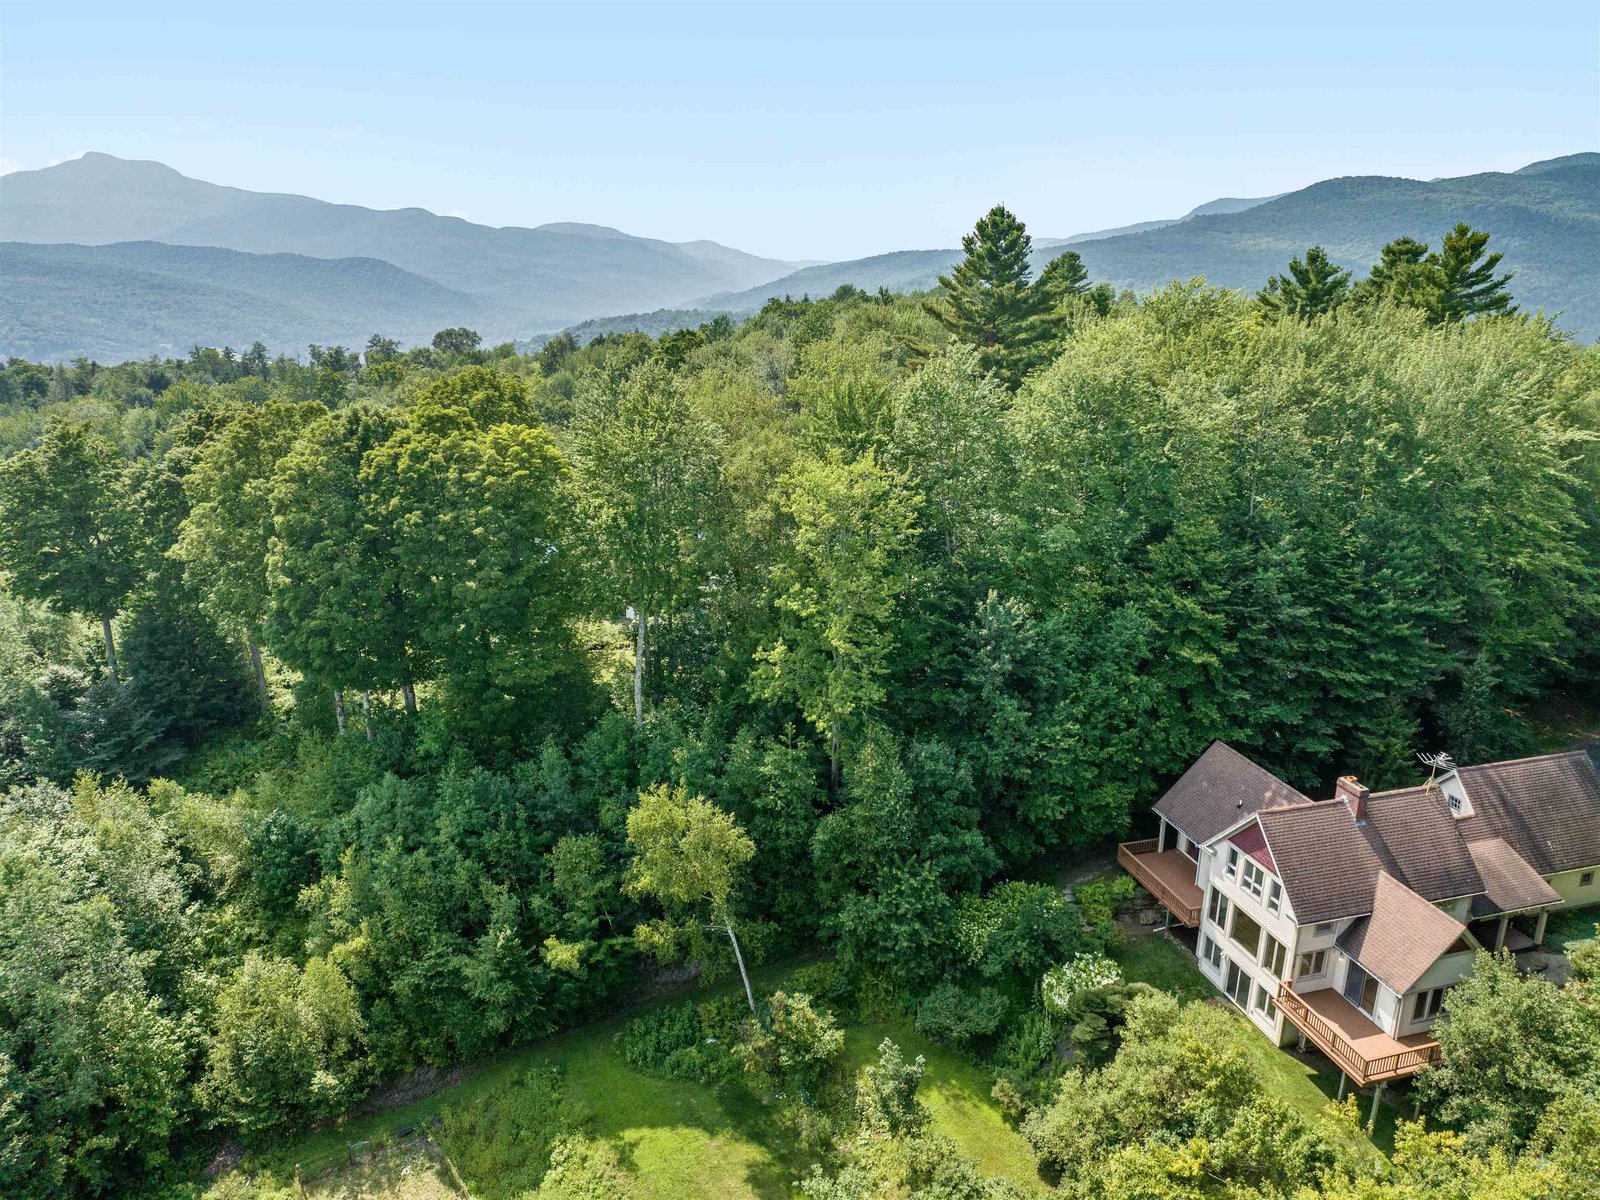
(1246, 933)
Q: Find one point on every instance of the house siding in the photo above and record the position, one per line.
(1572, 894)
(1211, 876)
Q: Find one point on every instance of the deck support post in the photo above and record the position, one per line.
(1538, 933)
(1500, 934)
(1302, 1041)
(1343, 1078)
(1372, 1118)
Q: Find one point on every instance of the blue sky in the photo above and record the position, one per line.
(817, 131)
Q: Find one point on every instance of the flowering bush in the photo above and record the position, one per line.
(1080, 974)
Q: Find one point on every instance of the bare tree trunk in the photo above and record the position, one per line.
(749, 996)
(638, 667)
(261, 673)
(409, 691)
(366, 713)
(338, 708)
(111, 650)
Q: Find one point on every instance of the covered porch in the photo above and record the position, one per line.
(1168, 875)
(1365, 1053)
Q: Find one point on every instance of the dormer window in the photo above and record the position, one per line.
(1456, 803)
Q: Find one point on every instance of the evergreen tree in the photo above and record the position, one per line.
(1398, 275)
(989, 300)
(1462, 278)
(1311, 288)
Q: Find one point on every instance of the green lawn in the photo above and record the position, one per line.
(1569, 926)
(680, 1138)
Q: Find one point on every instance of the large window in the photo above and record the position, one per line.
(1238, 984)
(1274, 956)
(1217, 909)
(1311, 964)
(1360, 988)
(1265, 1004)
(1246, 933)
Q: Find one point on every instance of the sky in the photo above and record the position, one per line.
(826, 131)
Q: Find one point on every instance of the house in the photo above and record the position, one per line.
(1343, 923)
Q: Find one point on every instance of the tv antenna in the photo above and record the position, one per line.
(1435, 762)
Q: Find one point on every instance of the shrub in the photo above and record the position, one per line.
(1026, 1058)
(824, 981)
(1081, 974)
(958, 1017)
(584, 1169)
(795, 1047)
(502, 1142)
(1099, 897)
(1018, 930)
(1097, 1015)
(650, 1040)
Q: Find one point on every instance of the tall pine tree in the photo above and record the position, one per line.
(989, 300)
(1311, 288)
(1463, 279)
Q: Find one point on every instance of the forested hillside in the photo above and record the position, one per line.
(394, 707)
(1546, 218)
(59, 302)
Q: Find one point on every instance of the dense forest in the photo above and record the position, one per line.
(386, 707)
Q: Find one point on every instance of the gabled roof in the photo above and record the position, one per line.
(1402, 938)
(1509, 883)
(1219, 790)
(1327, 867)
(1253, 842)
(1547, 808)
(1421, 843)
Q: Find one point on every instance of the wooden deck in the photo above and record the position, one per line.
(1167, 874)
(1358, 1047)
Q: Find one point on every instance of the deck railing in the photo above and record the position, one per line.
(1351, 1061)
(1128, 856)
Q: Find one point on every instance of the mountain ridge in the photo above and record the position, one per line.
(519, 283)
(560, 272)
(1545, 218)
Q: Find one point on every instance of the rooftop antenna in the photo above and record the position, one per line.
(1435, 762)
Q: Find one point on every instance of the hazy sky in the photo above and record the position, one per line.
(826, 131)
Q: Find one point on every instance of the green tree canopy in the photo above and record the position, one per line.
(68, 533)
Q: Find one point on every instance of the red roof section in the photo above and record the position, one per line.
(1253, 842)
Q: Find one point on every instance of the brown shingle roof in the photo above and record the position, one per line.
(1326, 865)
(1421, 844)
(1404, 936)
(1510, 884)
(1547, 809)
(1220, 789)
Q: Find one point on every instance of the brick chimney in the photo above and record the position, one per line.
(1350, 790)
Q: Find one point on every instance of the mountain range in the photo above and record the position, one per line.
(1544, 217)
(116, 258)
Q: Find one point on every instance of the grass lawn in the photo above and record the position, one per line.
(680, 1138)
(1569, 926)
